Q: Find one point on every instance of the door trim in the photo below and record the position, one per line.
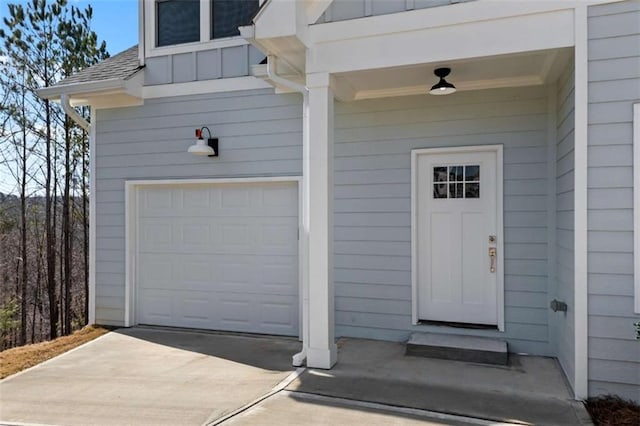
(131, 188)
(415, 153)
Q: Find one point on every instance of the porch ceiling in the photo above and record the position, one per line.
(530, 69)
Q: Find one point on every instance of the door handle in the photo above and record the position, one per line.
(493, 252)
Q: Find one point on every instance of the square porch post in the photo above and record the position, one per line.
(318, 158)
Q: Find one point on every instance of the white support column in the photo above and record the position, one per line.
(322, 350)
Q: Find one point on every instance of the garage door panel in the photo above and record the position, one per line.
(219, 257)
(237, 277)
(279, 314)
(158, 272)
(279, 279)
(157, 308)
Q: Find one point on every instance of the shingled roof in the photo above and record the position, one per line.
(120, 66)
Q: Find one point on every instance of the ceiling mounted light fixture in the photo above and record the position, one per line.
(443, 87)
(202, 147)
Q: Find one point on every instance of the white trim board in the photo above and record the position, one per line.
(498, 149)
(636, 207)
(131, 230)
(581, 290)
(204, 87)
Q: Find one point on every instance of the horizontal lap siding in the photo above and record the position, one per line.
(341, 10)
(260, 134)
(614, 86)
(563, 323)
(373, 142)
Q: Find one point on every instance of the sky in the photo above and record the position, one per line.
(115, 21)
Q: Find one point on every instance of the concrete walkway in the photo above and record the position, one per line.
(144, 376)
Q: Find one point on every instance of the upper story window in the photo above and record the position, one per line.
(188, 21)
(228, 15)
(178, 21)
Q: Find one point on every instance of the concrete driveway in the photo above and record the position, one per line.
(148, 376)
(145, 376)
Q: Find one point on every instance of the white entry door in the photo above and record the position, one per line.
(218, 256)
(458, 256)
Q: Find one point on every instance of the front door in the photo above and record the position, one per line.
(458, 256)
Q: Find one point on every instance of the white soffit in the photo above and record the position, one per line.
(536, 68)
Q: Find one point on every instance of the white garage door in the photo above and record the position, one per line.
(219, 256)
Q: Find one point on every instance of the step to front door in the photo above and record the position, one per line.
(458, 348)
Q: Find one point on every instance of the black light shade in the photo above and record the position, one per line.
(442, 87)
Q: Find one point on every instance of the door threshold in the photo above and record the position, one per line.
(459, 325)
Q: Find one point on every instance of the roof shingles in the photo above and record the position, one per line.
(121, 66)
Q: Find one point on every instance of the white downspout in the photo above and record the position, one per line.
(300, 357)
(73, 114)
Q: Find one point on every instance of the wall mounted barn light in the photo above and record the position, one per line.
(209, 148)
(442, 87)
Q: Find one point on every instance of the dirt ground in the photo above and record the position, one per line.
(15, 360)
(613, 411)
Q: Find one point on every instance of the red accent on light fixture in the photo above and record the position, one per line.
(198, 133)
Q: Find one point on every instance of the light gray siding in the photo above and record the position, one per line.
(372, 205)
(201, 65)
(260, 135)
(342, 10)
(614, 86)
(563, 288)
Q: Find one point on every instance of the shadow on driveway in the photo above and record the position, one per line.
(260, 351)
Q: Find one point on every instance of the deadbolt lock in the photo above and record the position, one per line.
(492, 239)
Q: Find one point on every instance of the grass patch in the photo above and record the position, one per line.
(611, 410)
(17, 359)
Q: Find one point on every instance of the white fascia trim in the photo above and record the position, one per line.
(92, 218)
(415, 153)
(581, 289)
(475, 11)
(202, 87)
(131, 226)
(110, 85)
(517, 34)
(636, 207)
(141, 27)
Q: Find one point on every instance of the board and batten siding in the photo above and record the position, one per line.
(563, 287)
(342, 10)
(614, 86)
(260, 134)
(210, 64)
(372, 203)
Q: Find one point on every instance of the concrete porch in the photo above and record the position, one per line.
(530, 390)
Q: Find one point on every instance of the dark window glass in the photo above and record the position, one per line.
(472, 190)
(178, 21)
(440, 191)
(455, 173)
(228, 15)
(439, 174)
(472, 173)
(456, 181)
